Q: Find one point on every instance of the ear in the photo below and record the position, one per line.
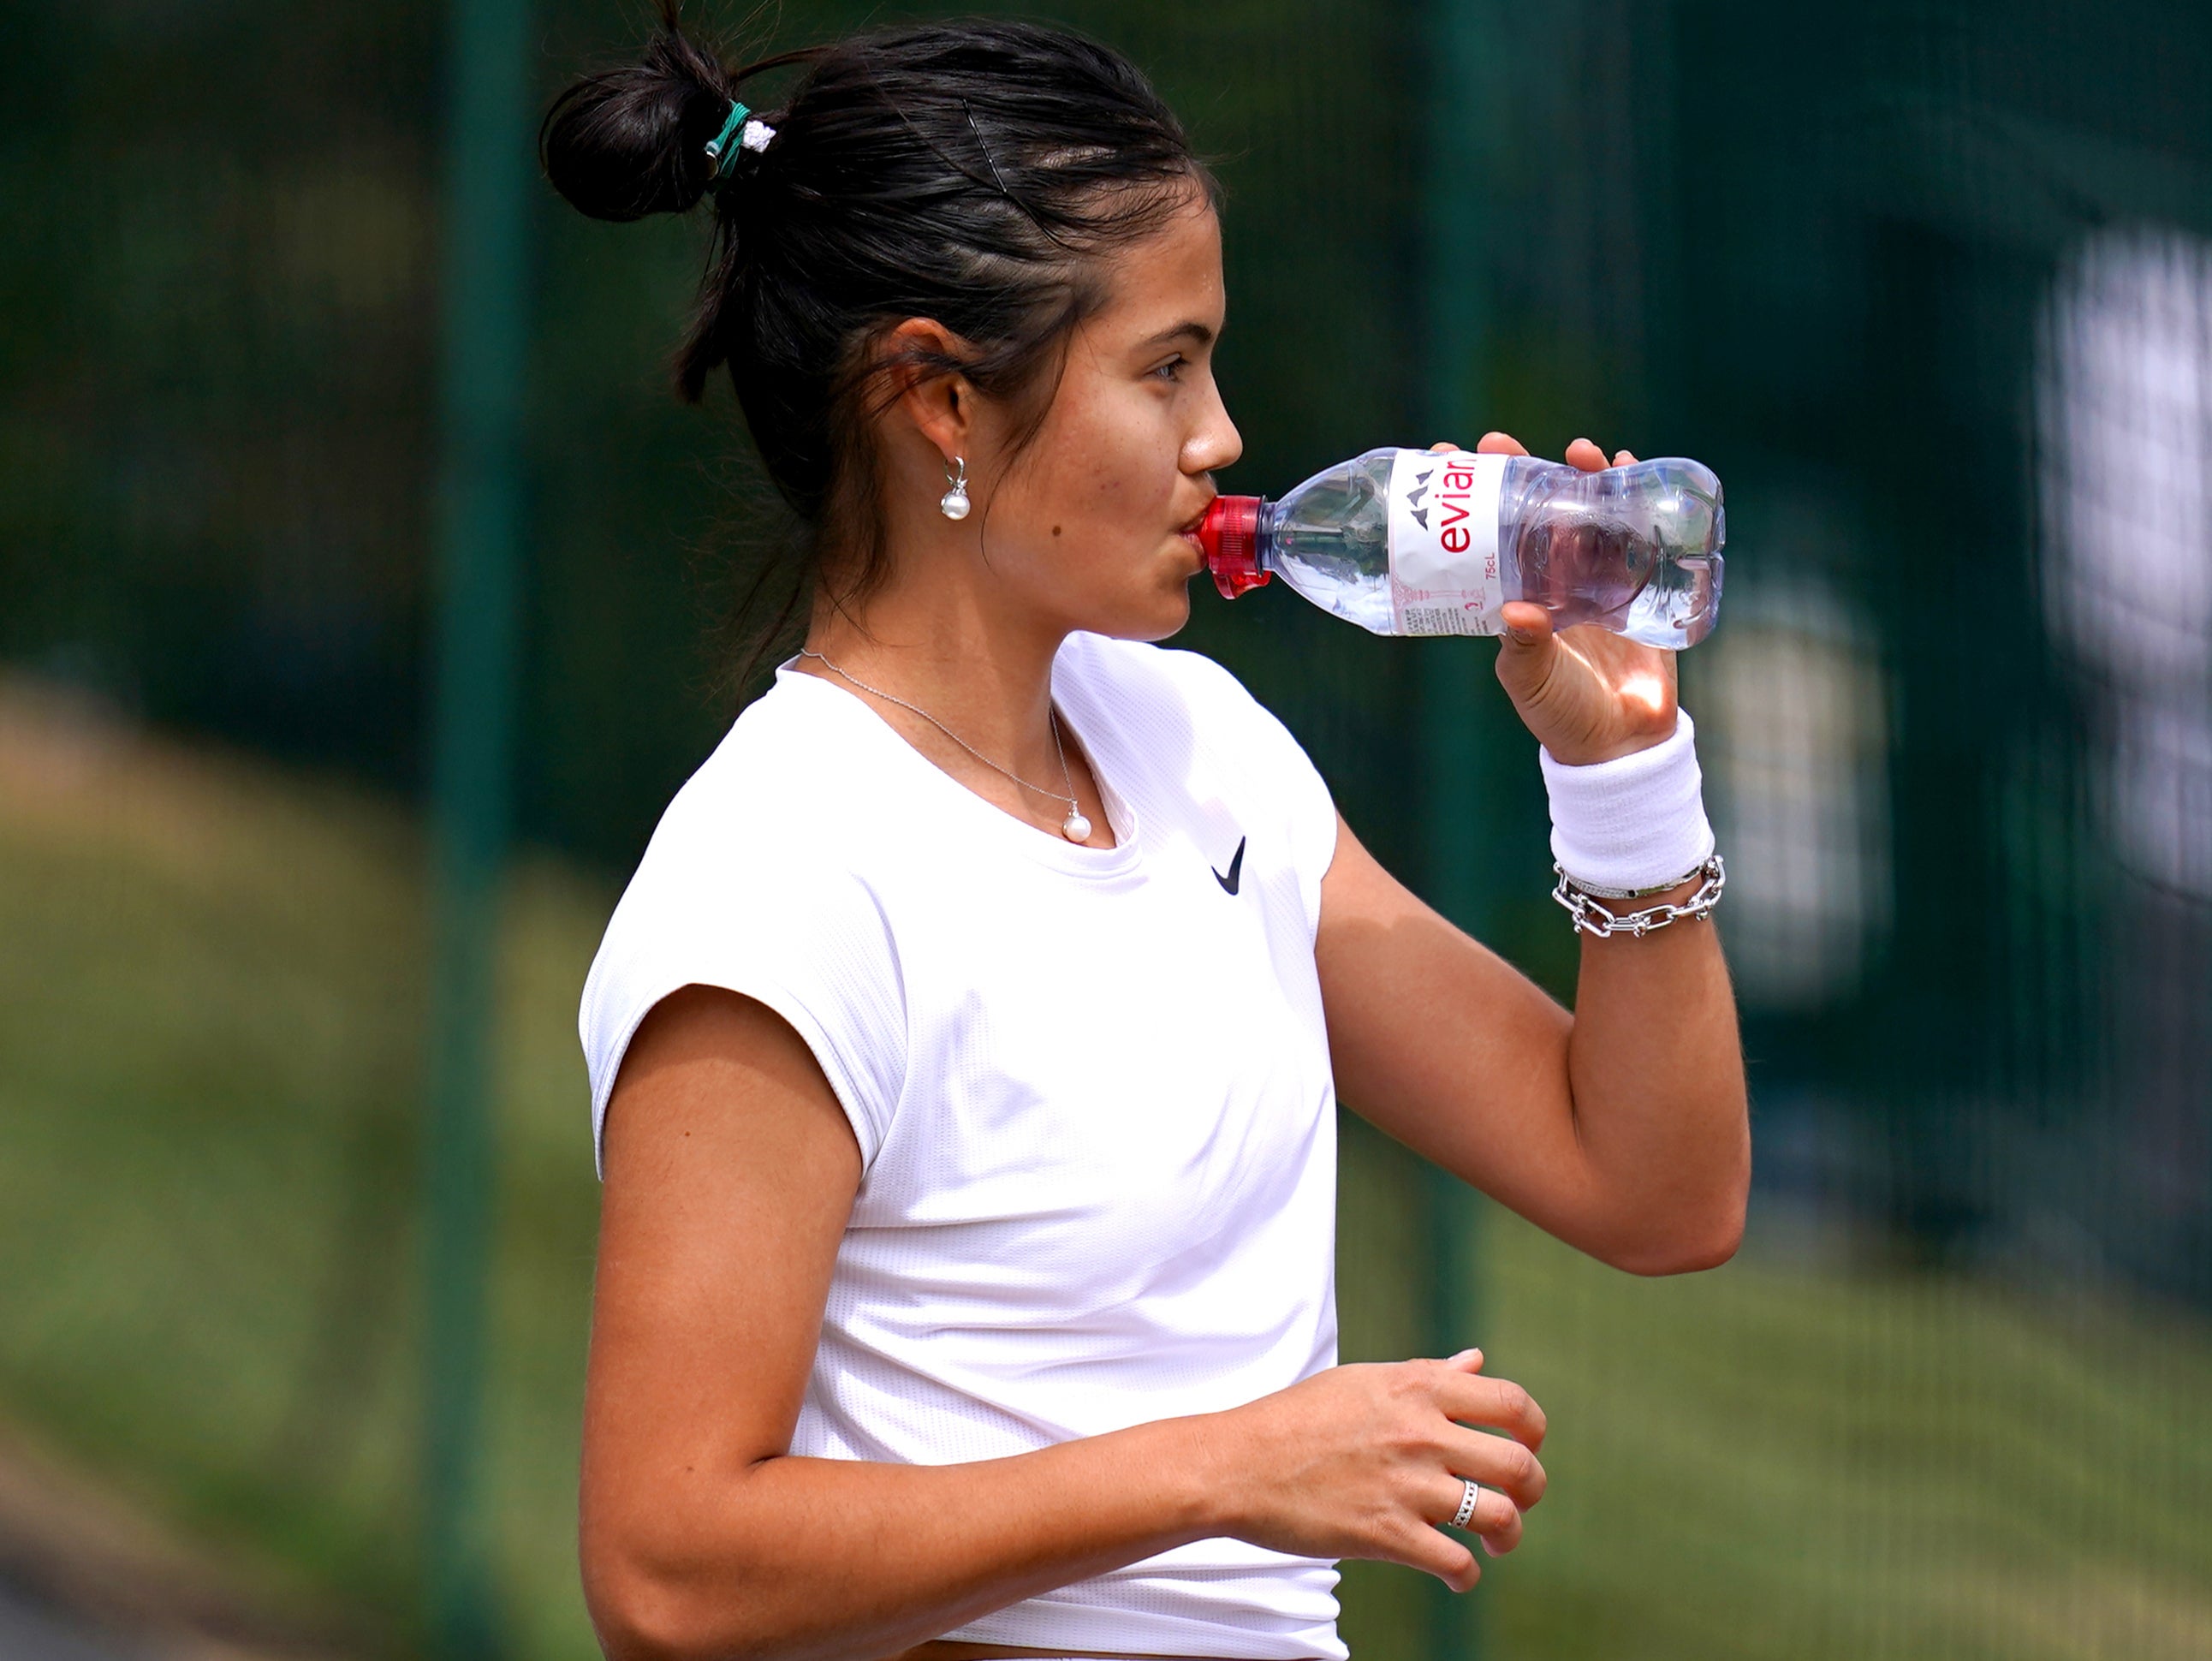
(932, 392)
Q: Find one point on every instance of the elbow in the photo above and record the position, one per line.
(642, 1613)
(1710, 1253)
(672, 1573)
(1672, 1256)
(639, 1618)
(1673, 1249)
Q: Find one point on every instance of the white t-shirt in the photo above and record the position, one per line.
(1091, 1086)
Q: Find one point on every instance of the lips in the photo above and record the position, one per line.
(1188, 533)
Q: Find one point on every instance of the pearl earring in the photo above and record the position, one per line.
(954, 502)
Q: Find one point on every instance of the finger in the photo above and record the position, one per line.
(1416, 1535)
(1585, 455)
(1526, 622)
(1445, 446)
(1496, 1520)
(1434, 1551)
(1500, 1463)
(1500, 444)
(1624, 459)
(1468, 1359)
(1527, 656)
(1497, 1403)
(1501, 1535)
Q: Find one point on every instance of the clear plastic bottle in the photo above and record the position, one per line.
(1416, 542)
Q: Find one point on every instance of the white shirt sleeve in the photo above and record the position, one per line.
(1309, 810)
(801, 935)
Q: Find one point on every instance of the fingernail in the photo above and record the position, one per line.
(1466, 1353)
(1522, 635)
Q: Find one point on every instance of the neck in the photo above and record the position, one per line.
(987, 677)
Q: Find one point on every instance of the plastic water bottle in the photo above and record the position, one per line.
(1415, 542)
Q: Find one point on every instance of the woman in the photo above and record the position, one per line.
(964, 1051)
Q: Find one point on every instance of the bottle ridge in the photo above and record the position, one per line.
(1418, 542)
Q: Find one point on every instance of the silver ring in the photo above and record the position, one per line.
(1467, 1503)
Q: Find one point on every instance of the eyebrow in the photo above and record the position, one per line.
(1196, 332)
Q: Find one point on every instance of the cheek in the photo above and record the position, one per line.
(1115, 470)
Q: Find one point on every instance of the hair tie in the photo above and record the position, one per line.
(755, 137)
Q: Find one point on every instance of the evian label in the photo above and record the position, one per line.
(1445, 578)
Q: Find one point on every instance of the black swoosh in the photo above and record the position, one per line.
(1236, 870)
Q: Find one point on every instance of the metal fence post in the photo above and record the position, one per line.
(1463, 91)
(485, 344)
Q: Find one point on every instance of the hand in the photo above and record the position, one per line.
(1367, 1461)
(1587, 693)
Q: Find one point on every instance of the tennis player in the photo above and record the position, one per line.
(965, 1050)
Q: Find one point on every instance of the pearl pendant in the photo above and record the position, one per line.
(954, 504)
(1075, 827)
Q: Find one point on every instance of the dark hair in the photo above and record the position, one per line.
(972, 172)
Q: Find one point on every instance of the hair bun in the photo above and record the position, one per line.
(630, 141)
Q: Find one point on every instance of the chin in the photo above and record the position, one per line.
(1171, 622)
(1155, 618)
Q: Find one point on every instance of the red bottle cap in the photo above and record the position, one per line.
(1230, 533)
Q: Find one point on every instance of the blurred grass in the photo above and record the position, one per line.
(1815, 1456)
(210, 977)
(1766, 1462)
(211, 1009)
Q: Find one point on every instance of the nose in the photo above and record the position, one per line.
(1214, 443)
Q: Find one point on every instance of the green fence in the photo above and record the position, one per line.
(1929, 286)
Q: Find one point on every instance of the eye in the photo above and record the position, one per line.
(1167, 370)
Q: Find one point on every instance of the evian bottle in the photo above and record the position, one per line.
(1415, 542)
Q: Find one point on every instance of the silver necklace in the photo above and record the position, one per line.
(1074, 827)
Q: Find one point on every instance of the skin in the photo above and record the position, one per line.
(730, 1171)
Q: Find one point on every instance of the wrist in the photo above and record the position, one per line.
(1622, 745)
(1637, 912)
(1634, 821)
(1214, 1462)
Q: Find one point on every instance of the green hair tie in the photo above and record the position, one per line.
(722, 152)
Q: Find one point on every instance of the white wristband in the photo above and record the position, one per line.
(1633, 821)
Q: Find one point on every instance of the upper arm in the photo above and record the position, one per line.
(729, 1173)
(1449, 1050)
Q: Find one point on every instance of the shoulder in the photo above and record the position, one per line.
(768, 800)
(1140, 667)
(1166, 682)
(1161, 686)
(754, 880)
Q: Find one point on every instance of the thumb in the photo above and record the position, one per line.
(1468, 1361)
(1527, 646)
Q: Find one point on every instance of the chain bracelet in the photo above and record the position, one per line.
(1592, 918)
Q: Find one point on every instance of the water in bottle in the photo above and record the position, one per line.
(1415, 542)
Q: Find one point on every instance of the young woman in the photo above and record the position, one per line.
(965, 1049)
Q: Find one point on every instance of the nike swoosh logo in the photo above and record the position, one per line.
(1236, 870)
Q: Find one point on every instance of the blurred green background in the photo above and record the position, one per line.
(1928, 285)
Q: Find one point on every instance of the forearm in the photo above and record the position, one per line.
(803, 1558)
(1653, 1070)
(1655, 1080)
